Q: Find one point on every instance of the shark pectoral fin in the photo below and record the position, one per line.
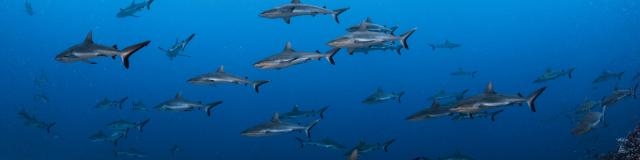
(89, 62)
(287, 20)
(350, 50)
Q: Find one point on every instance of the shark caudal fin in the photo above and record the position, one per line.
(532, 98)
(149, 4)
(121, 102)
(256, 84)
(398, 50)
(322, 110)
(142, 124)
(301, 141)
(570, 72)
(210, 106)
(307, 130)
(386, 145)
(330, 55)
(399, 96)
(127, 52)
(337, 13)
(634, 91)
(403, 38)
(49, 126)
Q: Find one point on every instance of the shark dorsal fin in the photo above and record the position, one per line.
(275, 118)
(442, 92)
(295, 1)
(296, 108)
(548, 70)
(287, 47)
(368, 20)
(178, 95)
(89, 38)
(489, 89)
(379, 90)
(435, 104)
(363, 26)
(220, 69)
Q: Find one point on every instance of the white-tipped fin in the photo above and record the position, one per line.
(489, 89)
(220, 69)
(287, 47)
(89, 38)
(275, 118)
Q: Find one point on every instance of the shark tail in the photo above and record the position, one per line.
(399, 96)
(49, 126)
(210, 106)
(398, 50)
(126, 133)
(570, 72)
(301, 141)
(635, 91)
(433, 47)
(532, 98)
(494, 114)
(461, 95)
(322, 110)
(121, 102)
(386, 145)
(337, 13)
(256, 84)
(127, 52)
(142, 124)
(330, 55)
(620, 75)
(149, 4)
(307, 130)
(405, 36)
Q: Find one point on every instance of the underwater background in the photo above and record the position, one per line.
(509, 42)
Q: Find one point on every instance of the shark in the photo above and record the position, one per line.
(222, 77)
(88, 49)
(373, 27)
(297, 8)
(447, 44)
(364, 147)
(607, 75)
(462, 72)
(323, 143)
(28, 8)
(180, 104)
(289, 57)
(178, 47)
(122, 124)
(433, 112)
(130, 153)
(139, 106)
(363, 38)
(490, 99)
(382, 47)
(483, 114)
(112, 138)
(33, 121)
(620, 94)
(552, 75)
(277, 127)
(380, 96)
(105, 103)
(589, 122)
(133, 8)
(297, 113)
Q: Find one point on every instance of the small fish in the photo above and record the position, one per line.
(620, 94)
(363, 147)
(88, 49)
(324, 143)
(589, 122)
(180, 104)
(178, 47)
(447, 44)
(373, 27)
(105, 103)
(133, 8)
(462, 72)
(380, 96)
(551, 75)
(606, 75)
(221, 77)
(297, 113)
(289, 57)
(131, 153)
(32, 121)
(362, 39)
(296, 8)
(277, 127)
(126, 125)
(28, 8)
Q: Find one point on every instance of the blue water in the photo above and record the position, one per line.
(508, 42)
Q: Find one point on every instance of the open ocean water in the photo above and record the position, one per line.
(51, 107)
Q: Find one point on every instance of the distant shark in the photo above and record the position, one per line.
(551, 75)
(606, 75)
(289, 57)
(222, 77)
(178, 47)
(133, 8)
(373, 27)
(180, 104)
(363, 38)
(381, 96)
(296, 8)
(277, 127)
(447, 44)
